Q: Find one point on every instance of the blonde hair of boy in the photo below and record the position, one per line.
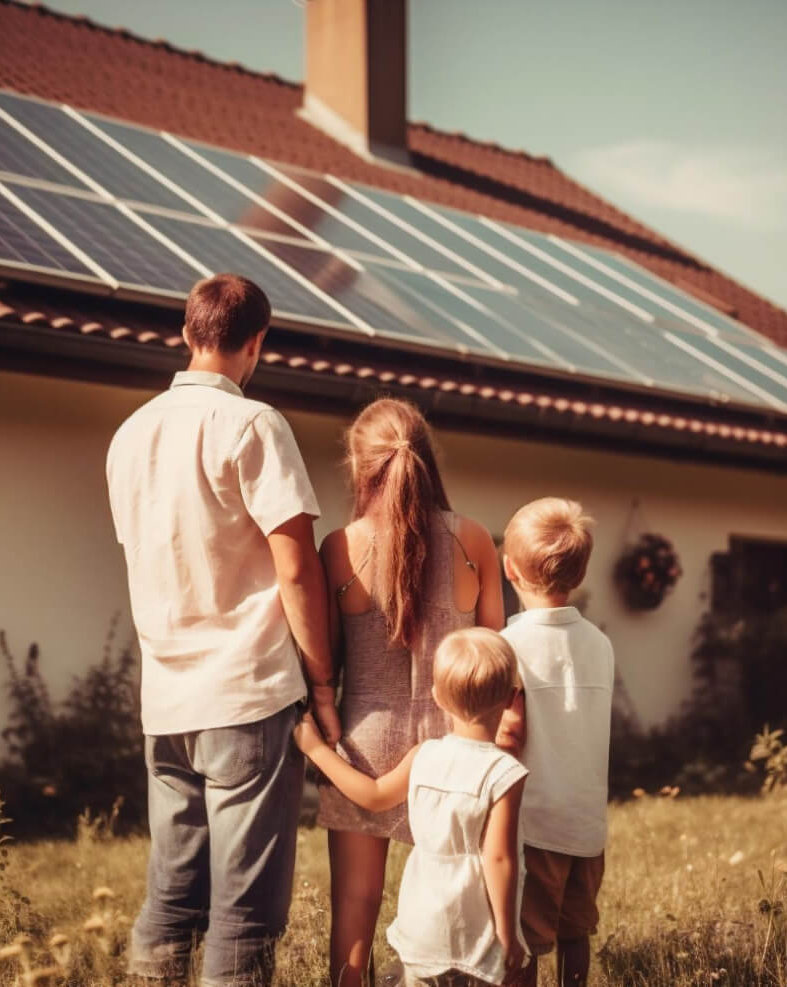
(474, 672)
(549, 542)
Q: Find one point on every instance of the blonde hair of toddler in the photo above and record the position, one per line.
(474, 672)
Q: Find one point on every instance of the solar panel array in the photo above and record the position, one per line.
(92, 201)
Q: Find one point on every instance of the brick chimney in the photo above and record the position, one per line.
(356, 86)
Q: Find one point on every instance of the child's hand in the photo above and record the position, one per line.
(514, 958)
(307, 735)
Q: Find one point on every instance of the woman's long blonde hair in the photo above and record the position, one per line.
(394, 469)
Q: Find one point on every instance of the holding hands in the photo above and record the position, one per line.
(307, 735)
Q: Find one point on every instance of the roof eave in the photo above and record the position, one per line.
(294, 383)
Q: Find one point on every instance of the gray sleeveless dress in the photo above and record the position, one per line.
(386, 706)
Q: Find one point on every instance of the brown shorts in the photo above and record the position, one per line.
(560, 897)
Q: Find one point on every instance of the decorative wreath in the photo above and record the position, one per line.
(646, 571)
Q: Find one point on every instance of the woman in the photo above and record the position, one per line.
(404, 573)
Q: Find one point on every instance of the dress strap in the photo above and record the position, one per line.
(450, 529)
(341, 590)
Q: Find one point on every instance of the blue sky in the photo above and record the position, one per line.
(676, 111)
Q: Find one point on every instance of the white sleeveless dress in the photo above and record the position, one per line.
(444, 921)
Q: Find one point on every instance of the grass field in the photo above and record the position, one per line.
(694, 895)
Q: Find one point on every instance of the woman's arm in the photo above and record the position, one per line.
(481, 551)
(500, 861)
(489, 611)
(375, 794)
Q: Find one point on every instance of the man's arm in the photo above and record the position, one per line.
(305, 601)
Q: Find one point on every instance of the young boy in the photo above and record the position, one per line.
(567, 667)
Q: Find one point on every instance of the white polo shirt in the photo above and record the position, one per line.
(568, 670)
(198, 478)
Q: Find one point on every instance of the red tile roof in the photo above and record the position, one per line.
(109, 70)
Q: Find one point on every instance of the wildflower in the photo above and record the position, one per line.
(94, 924)
(61, 948)
(736, 858)
(102, 893)
(638, 793)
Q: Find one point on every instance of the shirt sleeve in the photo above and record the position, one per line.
(274, 483)
(113, 507)
(507, 774)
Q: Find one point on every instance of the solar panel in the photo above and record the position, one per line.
(366, 296)
(551, 334)
(663, 295)
(354, 259)
(221, 250)
(674, 325)
(127, 253)
(745, 373)
(358, 204)
(24, 244)
(767, 356)
(19, 156)
(625, 330)
(111, 170)
(219, 197)
(458, 313)
(321, 217)
(241, 169)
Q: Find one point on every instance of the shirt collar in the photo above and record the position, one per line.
(547, 615)
(207, 379)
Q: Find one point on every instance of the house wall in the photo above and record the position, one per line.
(62, 575)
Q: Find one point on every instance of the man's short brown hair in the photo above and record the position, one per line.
(224, 312)
(549, 541)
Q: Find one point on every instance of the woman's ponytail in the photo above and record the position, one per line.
(394, 468)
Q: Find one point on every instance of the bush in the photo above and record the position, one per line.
(740, 680)
(85, 752)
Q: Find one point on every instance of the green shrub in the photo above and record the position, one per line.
(84, 752)
(739, 682)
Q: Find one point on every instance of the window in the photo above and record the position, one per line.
(751, 577)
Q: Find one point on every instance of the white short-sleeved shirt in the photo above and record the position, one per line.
(444, 920)
(568, 670)
(198, 478)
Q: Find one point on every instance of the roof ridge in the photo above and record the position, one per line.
(162, 43)
(512, 152)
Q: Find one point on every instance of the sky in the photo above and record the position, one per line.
(674, 111)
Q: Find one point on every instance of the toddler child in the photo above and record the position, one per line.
(461, 891)
(567, 667)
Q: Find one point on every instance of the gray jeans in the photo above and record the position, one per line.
(223, 807)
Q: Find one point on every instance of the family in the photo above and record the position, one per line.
(486, 748)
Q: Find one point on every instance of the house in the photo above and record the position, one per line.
(76, 357)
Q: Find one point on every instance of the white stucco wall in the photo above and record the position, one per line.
(62, 574)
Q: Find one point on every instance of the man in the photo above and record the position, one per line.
(214, 509)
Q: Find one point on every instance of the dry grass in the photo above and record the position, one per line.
(683, 902)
